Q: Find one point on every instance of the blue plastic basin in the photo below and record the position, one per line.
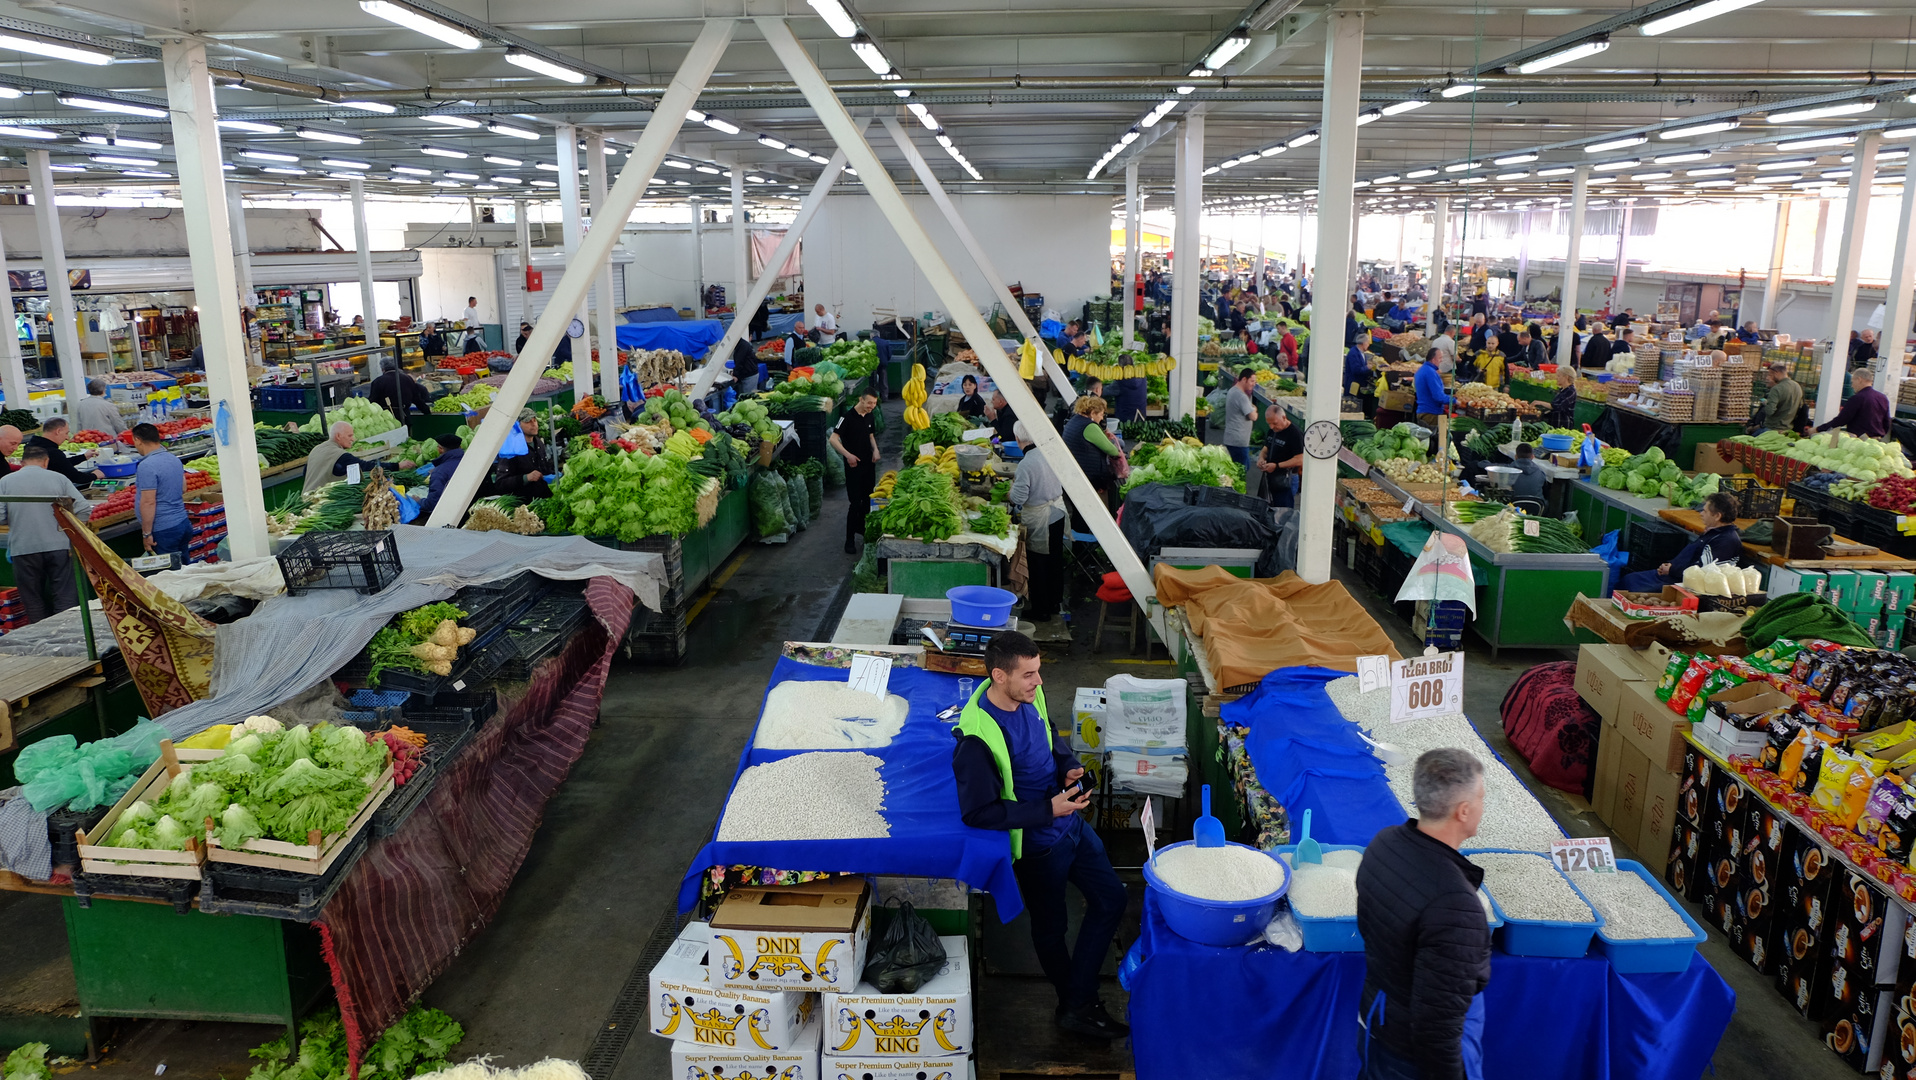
(116, 472)
(1336, 934)
(980, 605)
(1631, 956)
(1216, 922)
(1556, 443)
(1544, 937)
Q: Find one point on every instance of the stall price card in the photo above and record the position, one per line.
(1422, 687)
(1584, 855)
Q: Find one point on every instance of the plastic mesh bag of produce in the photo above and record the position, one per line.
(907, 955)
(57, 773)
(834, 470)
(815, 489)
(770, 508)
(797, 506)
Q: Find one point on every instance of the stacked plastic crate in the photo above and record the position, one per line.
(13, 612)
(209, 527)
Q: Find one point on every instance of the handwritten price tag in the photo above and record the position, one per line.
(1584, 855)
(1410, 506)
(872, 674)
(1532, 527)
(1373, 673)
(1426, 686)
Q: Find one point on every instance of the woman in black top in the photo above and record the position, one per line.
(1563, 407)
(971, 404)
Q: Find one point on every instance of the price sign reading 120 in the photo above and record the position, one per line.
(1584, 855)
(1425, 686)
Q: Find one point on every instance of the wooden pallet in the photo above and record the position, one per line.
(35, 689)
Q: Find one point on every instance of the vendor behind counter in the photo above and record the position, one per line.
(1720, 538)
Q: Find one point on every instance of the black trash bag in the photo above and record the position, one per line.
(907, 956)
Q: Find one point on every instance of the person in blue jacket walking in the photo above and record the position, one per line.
(1432, 399)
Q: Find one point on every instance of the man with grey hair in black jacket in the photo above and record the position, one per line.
(1426, 936)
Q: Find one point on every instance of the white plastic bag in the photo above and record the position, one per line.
(1144, 714)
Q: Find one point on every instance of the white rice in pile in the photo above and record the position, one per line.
(1225, 874)
(802, 714)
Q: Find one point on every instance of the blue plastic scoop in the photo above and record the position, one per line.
(1308, 850)
(1207, 831)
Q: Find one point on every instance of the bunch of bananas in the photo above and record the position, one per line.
(885, 484)
(945, 461)
(1132, 365)
(914, 394)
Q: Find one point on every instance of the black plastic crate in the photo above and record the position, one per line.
(557, 612)
(491, 604)
(434, 758)
(477, 662)
(62, 825)
(1873, 532)
(1753, 500)
(533, 646)
(364, 561)
(175, 891)
(664, 650)
(1651, 543)
(1810, 501)
(453, 711)
(232, 889)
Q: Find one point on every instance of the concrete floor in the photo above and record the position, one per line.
(544, 977)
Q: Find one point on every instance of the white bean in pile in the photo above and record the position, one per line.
(834, 795)
(1227, 874)
(1529, 887)
(1324, 892)
(1631, 908)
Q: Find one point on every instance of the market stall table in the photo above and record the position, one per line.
(1767, 556)
(927, 568)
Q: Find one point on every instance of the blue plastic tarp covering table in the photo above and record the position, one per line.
(1310, 757)
(689, 336)
(1257, 1011)
(782, 323)
(921, 805)
(651, 315)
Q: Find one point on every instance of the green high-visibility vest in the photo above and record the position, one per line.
(974, 720)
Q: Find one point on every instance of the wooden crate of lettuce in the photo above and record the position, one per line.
(295, 796)
(134, 839)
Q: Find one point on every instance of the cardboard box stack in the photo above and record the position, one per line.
(773, 986)
(1639, 745)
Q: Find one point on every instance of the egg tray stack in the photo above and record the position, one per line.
(1706, 384)
(1676, 406)
(1906, 392)
(1667, 363)
(1733, 401)
(1622, 387)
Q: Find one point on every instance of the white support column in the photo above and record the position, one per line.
(242, 250)
(951, 293)
(1403, 226)
(1849, 259)
(1130, 294)
(1257, 268)
(1439, 244)
(572, 233)
(1902, 280)
(606, 321)
(1572, 266)
(571, 290)
(1188, 278)
(53, 257)
(209, 246)
(1297, 261)
(741, 266)
(1623, 260)
(363, 248)
(698, 256)
(1336, 241)
(751, 298)
(1523, 258)
(13, 372)
(1350, 278)
(1773, 283)
(1059, 380)
(1822, 237)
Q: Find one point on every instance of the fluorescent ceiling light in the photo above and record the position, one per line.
(1461, 166)
(318, 135)
(1677, 20)
(1272, 151)
(59, 50)
(412, 170)
(768, 141)
(268, 155)
(401, 180)
(499, 159)
(672, 163)
(447, 183)
(1782, 179)
(1837, 174)
(1305, 139)
(1419, 174)
(819, 159)
(414, 19)
(283, 170)
(1228, 163)
(798, 152)
(751, 179)
(13, 131)
(1474, 180)
(1711, 170)
(1817, 143)
(1713, 183)
(507, 180)
(1664, 174)
(515, 132)
(923, 114)
(168, 175)
(1556, 170)
(1368, 116)
(836, 17)
(345, 163)
(460, 175)
(1564, 56)
(1899, 133)
(546, 166)
(115, 159)
(1613, 166)
(1603, 179)
(535, 62)
(11, 92)
(1129, 137)
(254, 127)
(121, 142)
(1819, 112)
(443, 151)
(1405, 106)
(1678, 159)
(1387, 179)
(1790, 163)
(1211, 170)
(1459, 89)
(1513, 175)
(106, 105)
(706, 169)
(695, 116)
(545, 183)
(1881, 155)
(1518, 159)
(868, 51)
(1361, 183)
(725, 126)
(368, 106)
(1608, 145)
(76, 168)
(448, 120)
(1228, 49)
(1709, 127)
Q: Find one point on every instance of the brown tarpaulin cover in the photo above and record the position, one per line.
(1253, 626)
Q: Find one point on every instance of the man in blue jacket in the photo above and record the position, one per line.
(1015, 774)
(1432, 399)
(443, 466)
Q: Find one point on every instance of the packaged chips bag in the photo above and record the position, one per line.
(1694, 675)
(1672, 671)
(1715, 683)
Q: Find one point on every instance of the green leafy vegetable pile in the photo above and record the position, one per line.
(416, 1044)
(281, 784)
(753, 414)
(856, 358)
(993, 520)
(1152, 431)
(28, 1062)
(947, 429)
(672, 405)
(1177, 462)
(625, 495)
(1397, 442)
(924, 504)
